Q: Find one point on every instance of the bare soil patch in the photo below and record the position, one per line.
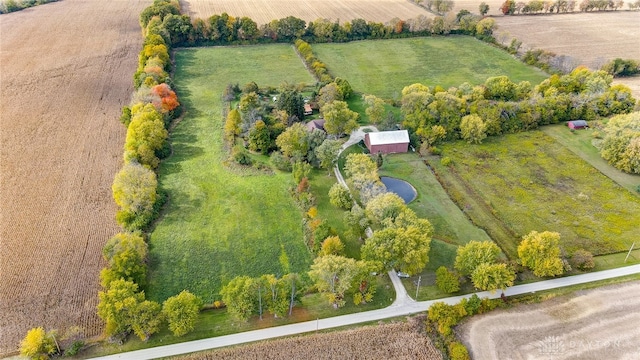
(592, 324)
(263, 11)
(591, 39)
(404, 340)
(66, 73)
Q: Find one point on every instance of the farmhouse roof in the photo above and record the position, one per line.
(389, 137)
(578, 122)
(316, 124)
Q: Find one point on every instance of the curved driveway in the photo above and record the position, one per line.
(403, 305)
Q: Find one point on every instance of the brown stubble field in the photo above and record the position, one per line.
(66, 72)
(398, 341)
(592, 324)
(263, 11)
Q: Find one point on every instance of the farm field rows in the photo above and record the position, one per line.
(549, 188)
(66, 73)
(219, 222)
(263, 11)
(591, 39)
(401, 340)
(593, 324)
(384, 67)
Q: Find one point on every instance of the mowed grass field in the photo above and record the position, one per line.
(384, 67)
(531, 182)
(433, 203)
(220, 223)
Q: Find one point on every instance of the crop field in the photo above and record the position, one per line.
(592, 324)
(66, 73)
(591, 39)
(384, 67)
(549, 188)
(221, 222)
(400, 340)
(263, 11)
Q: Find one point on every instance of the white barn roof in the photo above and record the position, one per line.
(389, 137)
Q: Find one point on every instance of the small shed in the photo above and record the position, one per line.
(307, 109)
(387, 142)
(577, 124)
(316, 125)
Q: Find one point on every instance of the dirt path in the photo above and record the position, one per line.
(66, 73)
(593, 324)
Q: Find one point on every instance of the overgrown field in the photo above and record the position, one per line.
(66, 73)
(402, 340)
(263, 11)
(219, 222)
(384, 67)
(530, 182)
(580, 143)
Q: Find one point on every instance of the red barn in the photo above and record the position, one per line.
(577, 124)
(387, 141)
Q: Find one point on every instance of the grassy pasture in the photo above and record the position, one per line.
(384, 67)
(449, 222)
(219, 222)
(531, 182)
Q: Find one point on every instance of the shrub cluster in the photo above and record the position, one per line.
(8, 6)
(442, 317)
(622, 67)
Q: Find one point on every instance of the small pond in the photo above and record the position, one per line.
(400, 187)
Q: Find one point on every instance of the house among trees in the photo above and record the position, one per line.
(577, 124)
(386, 142)
(316, 124)
(307, 109)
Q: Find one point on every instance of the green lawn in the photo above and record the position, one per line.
(433, 203)
(579, 142)
(220, 223)
(384, 67)
(531, 182)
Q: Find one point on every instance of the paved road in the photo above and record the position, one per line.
(403, 305)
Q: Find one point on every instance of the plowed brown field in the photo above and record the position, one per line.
(66, 70)
(592, 324)
(263, 11)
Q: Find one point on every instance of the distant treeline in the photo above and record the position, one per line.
(8, 6)
(224, 29)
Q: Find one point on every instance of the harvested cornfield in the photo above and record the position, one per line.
(593, 324)
(263, 11)
(66, 73)
(589, 39)
(402, 340)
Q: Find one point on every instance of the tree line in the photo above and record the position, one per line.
(225, 29)
(8, 6)
(511, 7)
(500, 106)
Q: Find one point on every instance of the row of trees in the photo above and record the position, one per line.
(225, 29)
(122, 302)
(510, 7)
(400, 239)
(501, 106)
